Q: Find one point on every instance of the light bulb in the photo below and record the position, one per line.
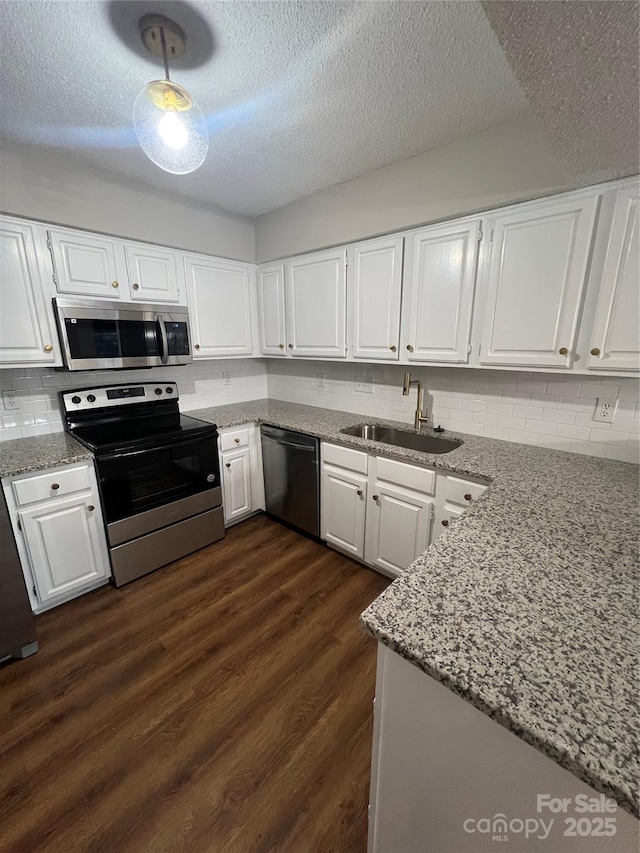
(170, 127)
(172, 131)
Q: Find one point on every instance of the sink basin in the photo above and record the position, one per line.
(403, 438)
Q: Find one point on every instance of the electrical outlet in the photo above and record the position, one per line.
(226, 379)
(320, 380)
(605, 410)
(364, 385)
(10, 400)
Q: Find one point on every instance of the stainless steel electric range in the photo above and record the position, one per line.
(158, 472)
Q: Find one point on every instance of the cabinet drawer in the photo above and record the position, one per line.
(53, 484)
(411, 476)
(234, 438)
(458, 491)
(345, 457)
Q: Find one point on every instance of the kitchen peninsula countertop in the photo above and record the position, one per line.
(527, 605)
(39, 452)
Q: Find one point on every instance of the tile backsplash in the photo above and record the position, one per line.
(201, 384)
(543, 409)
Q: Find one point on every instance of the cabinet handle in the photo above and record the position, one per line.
(563, 350)
(467, 497)
(55, 486)
(445, 522)
(91, 507)
(376, 497)
(237, 440)
(290, 346)
(595, 351)
(359, 493)
(280, 346)
(136, 286)
(115, 284)
(48, 348)
(409, 347)
(227, 464)
(393, 347)
(197, 346)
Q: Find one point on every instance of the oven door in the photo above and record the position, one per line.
(95, 336)
(146, 490)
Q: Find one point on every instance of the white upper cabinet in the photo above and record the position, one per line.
(440, 270)
(615, 340)
(219, 294)
(153, 274)
(533, 281)
(87, 265)
(316, 304)
(27, 329)
(271, 310)
(374, 280)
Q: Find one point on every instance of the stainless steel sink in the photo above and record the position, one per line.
(403, 438)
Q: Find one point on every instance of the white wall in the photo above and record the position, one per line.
(531, 408)
(507, 163)
(201, 384)
(51, 186)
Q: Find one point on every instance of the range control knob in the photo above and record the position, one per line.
(91, 398)
(158, 390)
(75, 399)
(169, 389)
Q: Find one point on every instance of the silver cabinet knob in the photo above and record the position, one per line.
(227, 464)
(359, 493)
(136, 286)
(376, 497)
(91, 507)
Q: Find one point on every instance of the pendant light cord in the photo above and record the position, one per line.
(163, 42)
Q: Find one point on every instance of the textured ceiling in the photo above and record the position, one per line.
(299, 95)
(578, 63)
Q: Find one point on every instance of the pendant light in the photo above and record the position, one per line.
(169, 125)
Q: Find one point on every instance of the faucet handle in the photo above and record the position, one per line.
(406, 384)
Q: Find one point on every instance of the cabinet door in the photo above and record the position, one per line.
(64, 541)
(534, 280)
(271, 312)
(440, 271)
(398, 527)
(27, 335)
(88, 265)
(219, 307)
(236, 484)
(446, 515)
(153, 275)
(375, 283)
(344, 497)
(615, 328)
(316, 304)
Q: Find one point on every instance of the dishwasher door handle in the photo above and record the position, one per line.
(307, 447)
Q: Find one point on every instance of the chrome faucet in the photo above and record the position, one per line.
(421, 417)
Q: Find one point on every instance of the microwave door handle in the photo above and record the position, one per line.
(164, 358)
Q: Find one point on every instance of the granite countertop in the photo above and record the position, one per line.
(527, 605)
(39, 452)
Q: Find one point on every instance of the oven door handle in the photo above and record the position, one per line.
(164, 358)
(125, 454)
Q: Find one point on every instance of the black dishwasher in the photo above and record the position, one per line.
(292, 478)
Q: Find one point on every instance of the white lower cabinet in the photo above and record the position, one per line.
(344, 502)
(241, 468)
(59, 530)
(384, 512)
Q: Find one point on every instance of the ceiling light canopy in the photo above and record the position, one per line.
(168, 123)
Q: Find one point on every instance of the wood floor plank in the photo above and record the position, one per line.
(220, 704)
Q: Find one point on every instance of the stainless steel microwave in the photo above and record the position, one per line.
(112, 335)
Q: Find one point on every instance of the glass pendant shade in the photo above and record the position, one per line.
(170, 127)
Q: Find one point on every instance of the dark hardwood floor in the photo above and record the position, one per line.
(220, 705)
